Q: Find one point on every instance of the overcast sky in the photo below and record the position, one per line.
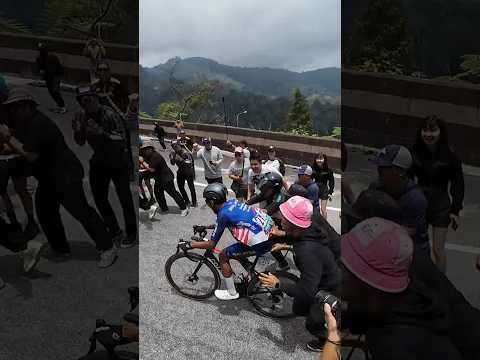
(298, 35)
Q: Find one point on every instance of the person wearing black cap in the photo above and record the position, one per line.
(212, 158)
(59, 174)
(186, 172)
(184, 140)
(104, 131)
(163, 177)
(393, 164)
(51, 70)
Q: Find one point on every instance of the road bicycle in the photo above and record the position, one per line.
(197, 276)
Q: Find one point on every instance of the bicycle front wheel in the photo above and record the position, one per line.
(192, 275)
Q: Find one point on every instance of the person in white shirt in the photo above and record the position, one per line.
(257, 171)
(272, 160)
(238, 172)
(244, 145)
(212, 158)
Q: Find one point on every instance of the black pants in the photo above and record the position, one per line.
(216, 180)
(181, 178)
(169, 188)
(100, 178)
(161, 140)
(49, 198)
(53, 86)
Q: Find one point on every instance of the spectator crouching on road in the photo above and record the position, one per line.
(314, 259)
(439, 174)
(211, 158)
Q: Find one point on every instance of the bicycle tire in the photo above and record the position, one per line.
(252, 291)
(195, 258)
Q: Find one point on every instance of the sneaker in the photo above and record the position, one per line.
(128, 241)
(31, 230)
(184, 212)
(107, 258)
(153, 212)
(225, 295)
(315, 345)
(31, 255)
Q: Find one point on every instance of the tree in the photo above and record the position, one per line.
(380, 42)
(299, 119)
(170, 110)
(471, 68)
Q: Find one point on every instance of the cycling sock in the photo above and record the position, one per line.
(230, 285)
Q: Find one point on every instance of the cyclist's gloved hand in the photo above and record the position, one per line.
(199, 228)
(185, 245)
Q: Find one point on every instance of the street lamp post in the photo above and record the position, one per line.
(240, 113)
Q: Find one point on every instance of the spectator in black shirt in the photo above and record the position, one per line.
(186, 171)
(160, 133)
(323, 176)
(185, 141)
(59, 174)
(109, 89)
(163, 177)
(104, 130)
(439, 172)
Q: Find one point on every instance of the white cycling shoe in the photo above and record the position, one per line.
(225, 295)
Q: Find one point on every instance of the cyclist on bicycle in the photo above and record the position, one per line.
(249, 226)
(270, 187)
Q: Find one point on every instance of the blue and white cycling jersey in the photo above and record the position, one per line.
(247, 225)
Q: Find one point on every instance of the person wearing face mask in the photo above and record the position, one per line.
(439, 173)
(323, 176)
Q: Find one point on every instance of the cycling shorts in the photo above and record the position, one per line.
(239, 249)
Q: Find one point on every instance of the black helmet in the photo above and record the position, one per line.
(215, 192)
(297, 190)
(271, 180)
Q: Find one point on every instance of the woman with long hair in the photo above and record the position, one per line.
(323, 176)
(439, 173)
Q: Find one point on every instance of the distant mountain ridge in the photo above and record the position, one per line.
(262, 80)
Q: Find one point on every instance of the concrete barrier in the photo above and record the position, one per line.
(380, 109)
(18, 53)
(292, 149)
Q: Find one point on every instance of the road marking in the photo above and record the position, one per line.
(463, 248)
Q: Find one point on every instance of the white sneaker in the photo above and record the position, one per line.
(107, 258)
(31, 255)
(225, 295)
(184, 212)
(153, 212)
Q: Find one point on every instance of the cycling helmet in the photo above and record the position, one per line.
(269, 181)
(297, 190)
(215, 192)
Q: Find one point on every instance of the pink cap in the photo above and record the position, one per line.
(298, 211)
(379, 252)
(238, 149)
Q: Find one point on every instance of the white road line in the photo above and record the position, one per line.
(463, 248)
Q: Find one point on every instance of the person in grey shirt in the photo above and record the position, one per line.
(212, 158)
(238, 172)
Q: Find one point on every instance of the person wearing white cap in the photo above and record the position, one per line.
(212, 159)
(59, 173)
(314, 259)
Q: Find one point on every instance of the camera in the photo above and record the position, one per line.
(324, 297)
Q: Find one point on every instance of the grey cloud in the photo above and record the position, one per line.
(297, 35)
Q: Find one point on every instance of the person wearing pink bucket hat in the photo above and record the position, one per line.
(318, 266)
(378, 252)
(400, 315)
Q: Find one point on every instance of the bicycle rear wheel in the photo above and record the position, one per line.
(192, 275)
(271, 303)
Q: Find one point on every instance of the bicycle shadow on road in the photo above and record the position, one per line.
(293, 334)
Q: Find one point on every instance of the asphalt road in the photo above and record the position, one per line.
(174, 327)
(51, 313)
